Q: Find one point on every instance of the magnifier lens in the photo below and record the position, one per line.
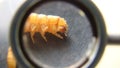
(73, 51)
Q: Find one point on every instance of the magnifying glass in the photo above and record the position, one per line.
(82, 47)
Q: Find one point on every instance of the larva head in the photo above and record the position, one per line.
(62, 26)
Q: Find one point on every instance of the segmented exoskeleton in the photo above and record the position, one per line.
(45, 23)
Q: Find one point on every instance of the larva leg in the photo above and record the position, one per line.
(65, 34)
(43, 36)
(59, 36)
(43, 31)
(32, 33)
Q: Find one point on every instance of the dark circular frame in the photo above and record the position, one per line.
(21, 15)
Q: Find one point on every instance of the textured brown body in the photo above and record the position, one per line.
(45, 23)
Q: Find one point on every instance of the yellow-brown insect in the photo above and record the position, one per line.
(45, 23)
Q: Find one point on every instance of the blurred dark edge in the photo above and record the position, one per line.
(114, 39)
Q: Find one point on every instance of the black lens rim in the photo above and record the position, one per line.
(24, 10)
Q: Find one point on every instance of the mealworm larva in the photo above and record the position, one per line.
(45, 23)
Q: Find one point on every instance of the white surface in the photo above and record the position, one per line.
(110, 58)
(7, 11)
(111, 12)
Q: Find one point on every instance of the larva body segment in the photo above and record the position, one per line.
(45, 23)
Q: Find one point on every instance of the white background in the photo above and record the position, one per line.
(111, 12)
